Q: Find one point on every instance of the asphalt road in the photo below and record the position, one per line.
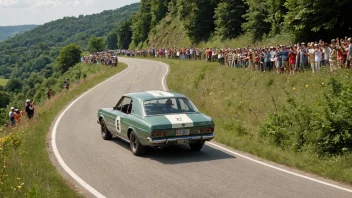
(109, 168)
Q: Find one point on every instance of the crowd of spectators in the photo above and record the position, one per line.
(278, 58)
(108, 58)
(16, 114)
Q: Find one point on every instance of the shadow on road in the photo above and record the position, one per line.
(179, 154)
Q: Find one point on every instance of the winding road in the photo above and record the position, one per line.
(99, 168)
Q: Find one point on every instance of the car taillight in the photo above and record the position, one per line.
(201, 130)
(210, 130)
(158, 133)
(164, 133)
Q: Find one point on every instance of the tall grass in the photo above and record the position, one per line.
(240, 102)
(26, 170)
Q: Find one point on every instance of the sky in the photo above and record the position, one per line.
(23, 12)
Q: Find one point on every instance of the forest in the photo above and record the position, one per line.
(29, 60)
(228, 19)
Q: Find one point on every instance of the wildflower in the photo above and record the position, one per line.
(306, 86)
(18, 178)
(19, 187)
(294, 88)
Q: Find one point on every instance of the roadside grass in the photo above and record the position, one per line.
(239, 101)
(3, 81)
(26, 170)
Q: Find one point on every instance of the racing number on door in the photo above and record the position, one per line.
(118, 124)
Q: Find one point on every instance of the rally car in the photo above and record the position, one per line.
(156, 119)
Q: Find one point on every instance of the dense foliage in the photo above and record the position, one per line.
(9, 31)
(69, 56)
(34, 50)
(96, 44)
(28, 59)
(311, 20)
(325, 127)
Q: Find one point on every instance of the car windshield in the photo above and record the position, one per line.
(168, 106)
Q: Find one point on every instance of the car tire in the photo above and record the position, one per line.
(105, 133)
(196, 146)
(135, 145)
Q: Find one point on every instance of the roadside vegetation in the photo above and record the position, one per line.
(3, 81)
(302, 121)
(25, 167)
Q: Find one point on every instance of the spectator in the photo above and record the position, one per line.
(29, 107)
(67, 84)
(17, 115)
(48, 93)
(12, 117)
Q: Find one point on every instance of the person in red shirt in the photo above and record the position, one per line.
(292, 60)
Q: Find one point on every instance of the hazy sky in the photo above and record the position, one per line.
(20, 12)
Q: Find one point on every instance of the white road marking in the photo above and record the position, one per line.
(265, 164)
(99, 195)
(56, 151)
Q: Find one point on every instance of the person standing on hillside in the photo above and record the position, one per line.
(12, 116)
(48, 93)
(67, 84)
(29, 107)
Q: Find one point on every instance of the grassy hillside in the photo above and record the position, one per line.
(10, 31)
(253, 112)
(25, 168)
(170, 32)
(3, 81)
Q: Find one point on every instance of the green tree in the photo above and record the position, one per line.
(14, 85)
(198, 18)
(68, 57)
(229, 18)
(124, 35)
(159, 8)
(277, 11)
(141, 23)
(256, 25)
(112, 40)
(316, 19)
(96, 44)
(5, 99)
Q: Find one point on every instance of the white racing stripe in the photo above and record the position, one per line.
(160, 93)
(179, 120)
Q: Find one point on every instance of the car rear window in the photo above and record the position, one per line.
(168, 106)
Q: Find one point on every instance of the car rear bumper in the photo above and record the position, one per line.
(206, 137)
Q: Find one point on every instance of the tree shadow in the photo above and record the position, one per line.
(179, 154)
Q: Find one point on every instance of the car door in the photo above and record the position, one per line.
(122, 110)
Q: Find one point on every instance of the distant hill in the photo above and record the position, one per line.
(35, 50)
(10, 31)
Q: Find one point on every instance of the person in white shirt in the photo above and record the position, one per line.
(318, 58)
(311, 52)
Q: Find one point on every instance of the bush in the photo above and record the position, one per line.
(327, 126)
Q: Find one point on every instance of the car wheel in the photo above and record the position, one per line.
(196, 146)
(105, 133)
(136, 147)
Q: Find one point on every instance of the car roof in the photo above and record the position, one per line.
(154, 94)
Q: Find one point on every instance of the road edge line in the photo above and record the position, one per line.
(257, 161)
(57, 155)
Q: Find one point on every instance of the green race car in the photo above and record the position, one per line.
(156, 119)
